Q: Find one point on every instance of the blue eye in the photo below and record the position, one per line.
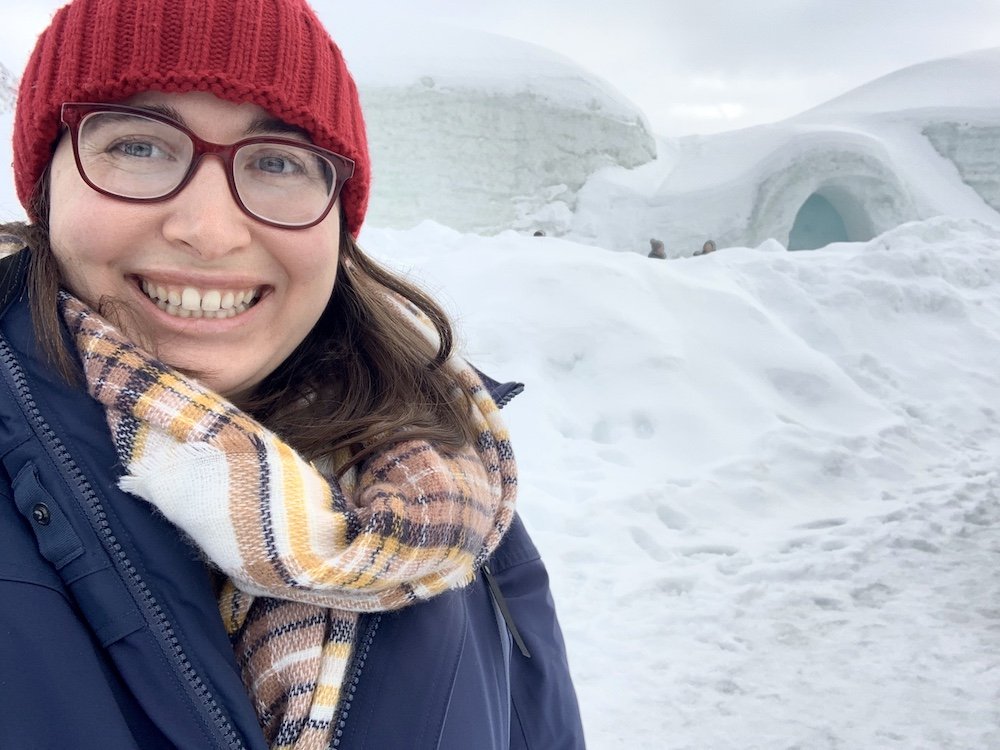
(136, 149)
(278, 165)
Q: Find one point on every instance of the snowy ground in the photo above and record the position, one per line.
(765, 483)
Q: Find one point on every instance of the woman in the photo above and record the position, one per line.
(214, 402)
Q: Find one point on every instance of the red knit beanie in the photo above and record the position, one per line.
(273, 53)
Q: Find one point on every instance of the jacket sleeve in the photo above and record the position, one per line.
(545, 714)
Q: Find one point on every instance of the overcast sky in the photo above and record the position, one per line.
(693, 66)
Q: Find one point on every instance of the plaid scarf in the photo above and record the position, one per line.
(303, 552)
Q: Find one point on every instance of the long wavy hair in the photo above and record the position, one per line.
(363, 378)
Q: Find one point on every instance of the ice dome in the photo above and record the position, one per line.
(921, 142)
(480, 132)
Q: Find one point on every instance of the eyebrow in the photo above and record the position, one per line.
(263, 125)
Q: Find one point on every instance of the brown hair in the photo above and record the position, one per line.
(363, 377)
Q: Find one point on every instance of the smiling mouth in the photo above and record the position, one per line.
(191, 302)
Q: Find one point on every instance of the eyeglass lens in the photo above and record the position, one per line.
(136, 157)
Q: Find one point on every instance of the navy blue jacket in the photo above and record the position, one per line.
(110, 637)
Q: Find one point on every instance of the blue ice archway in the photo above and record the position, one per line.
(829, 215)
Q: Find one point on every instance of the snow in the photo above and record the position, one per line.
(917, 143)
(764, 482)
(460, 58)
(966, 81)
(483, 132)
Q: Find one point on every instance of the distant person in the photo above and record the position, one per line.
(708, 247)
(657, 250)
(250, 496)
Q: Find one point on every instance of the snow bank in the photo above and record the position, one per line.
(765, 482)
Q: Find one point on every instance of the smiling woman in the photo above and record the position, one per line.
(128, 192)
(250, 418)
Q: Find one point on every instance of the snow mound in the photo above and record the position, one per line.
(971, 80)
(483, 133)
(765, 482)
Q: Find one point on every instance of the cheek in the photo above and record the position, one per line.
(72, 218)
(313, 258)
(69, 232)
(65, 195)
(87, 234)
(314, 284)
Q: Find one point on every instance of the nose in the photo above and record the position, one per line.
(205, 216)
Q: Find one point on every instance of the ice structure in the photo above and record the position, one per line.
(484, 133)
(921, 142)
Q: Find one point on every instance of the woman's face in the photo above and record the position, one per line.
(199, 245)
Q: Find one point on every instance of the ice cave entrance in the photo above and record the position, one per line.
(817, 224)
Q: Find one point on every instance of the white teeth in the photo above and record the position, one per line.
(190, 299)
(189, 302)
(211, 300)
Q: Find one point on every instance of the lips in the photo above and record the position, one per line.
(192, 302)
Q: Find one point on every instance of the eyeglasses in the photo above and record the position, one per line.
(141, 156)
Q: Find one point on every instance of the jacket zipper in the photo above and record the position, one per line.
(164, 630)
(358, 664)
